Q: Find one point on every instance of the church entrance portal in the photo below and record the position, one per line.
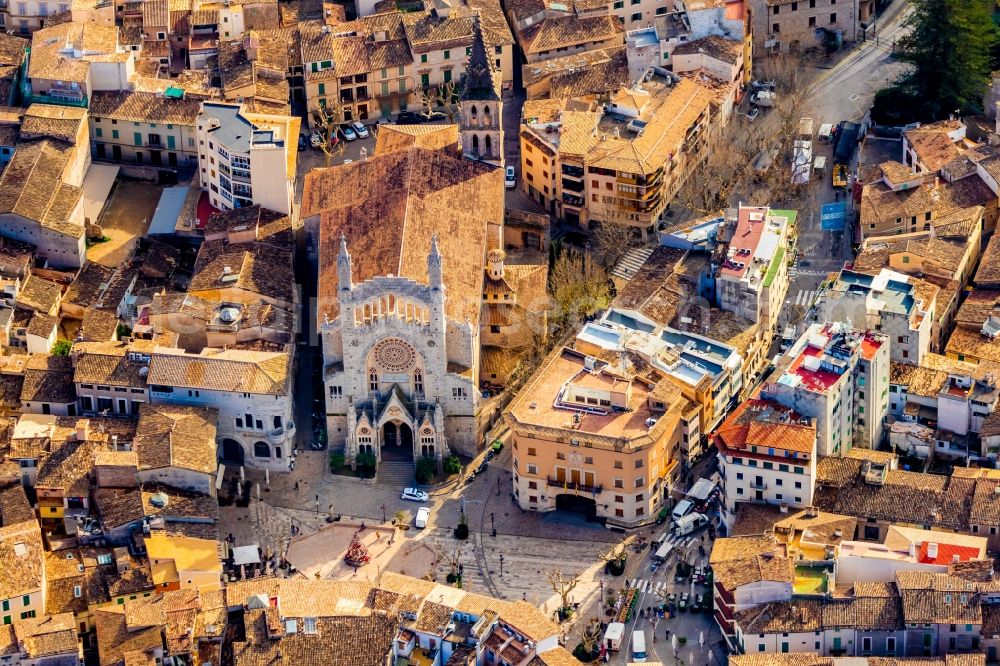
(397, 441)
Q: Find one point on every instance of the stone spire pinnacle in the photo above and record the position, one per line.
(479, 84)
(344, 267)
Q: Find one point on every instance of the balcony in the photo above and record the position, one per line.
(279, 435)
(565, 484)
(758, 485)
(573, 185)
(571, 200)
(572, 171)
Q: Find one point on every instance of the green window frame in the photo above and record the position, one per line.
(447, 54)
(425, 80)
(322, 89)
(385, 87)
(114, 134)
(384, 73)
(423, 57)
(137, 137)
(170, 142)
(26, 600)
(402, 70)
(98, 132)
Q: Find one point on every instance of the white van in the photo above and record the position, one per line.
(690, 523)
(423, 513)
(638, 646)
(683, 508)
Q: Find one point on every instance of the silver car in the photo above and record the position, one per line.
(414, 495)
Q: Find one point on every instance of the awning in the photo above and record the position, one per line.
(97, 186)
(246, 555)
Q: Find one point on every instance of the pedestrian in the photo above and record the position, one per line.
(668, 632)
(296, 486)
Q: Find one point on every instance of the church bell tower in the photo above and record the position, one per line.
(481, 105)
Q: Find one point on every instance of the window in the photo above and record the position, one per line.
(459, 393)
(636, 17)
(640, 481)
(423, 57)
(26, 600)
(418, 381)
(795, 6)
(532, 451)
(447, 54)
(532, 469)
(336, 391)
(812, 21)
(775, 10)
(619, 483)
(638, 464)
(309, 625)
(618, 464)
(833, 17)
(775, 27)
(373, 380)
(77, 591)
(98, 132)
(261, 450)
(890, 646)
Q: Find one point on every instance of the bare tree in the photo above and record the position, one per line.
(579, 287)
(437, 101)
(328, 119)
(451, 558)
(617, 554)
(562, 586)
(610, 240)
(753, 160)
(591, 635)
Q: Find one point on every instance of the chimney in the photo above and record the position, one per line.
(937, 181)
(932, 550)
(82, 430)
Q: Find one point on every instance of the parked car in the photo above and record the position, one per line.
(763, 98)
(753, 113)
(348, 132)
(510, 178)
(682, 605)
(302, 142)
(414, 495)
(409, 118)
(315, 140)
(762, 85)
(423, 513)
(360, 129)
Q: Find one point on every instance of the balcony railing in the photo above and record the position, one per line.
(574, 485)
(279, 435)
(572, 200)
(758, 485)
(572, 171)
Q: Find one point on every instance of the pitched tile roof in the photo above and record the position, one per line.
(21, 559)
(257, 267)
(229, 370)
(47, 60)
(48, 636)
(48, 379)
(144, 107)
(569, 31)
(31, 186)
(391, 205)
(176, 436)
(50, 120)
(879, 204)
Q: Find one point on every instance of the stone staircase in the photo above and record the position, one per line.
(633, 260)
(398, 474)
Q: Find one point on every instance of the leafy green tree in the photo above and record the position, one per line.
(425, 470)
(365, 460)
(62, 347)
(336, 461)
(452, 465)
(950, 46)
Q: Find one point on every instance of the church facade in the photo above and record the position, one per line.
(410, 247)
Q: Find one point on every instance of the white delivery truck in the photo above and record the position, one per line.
(690, 523)
(613, 636)
(663, 552)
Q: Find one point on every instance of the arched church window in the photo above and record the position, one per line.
(489, 146)
(373, 380)
(475, 144)
(261, 450)
(418, 381)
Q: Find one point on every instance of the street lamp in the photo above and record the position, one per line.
(383, 512)
(498, 486)
(493, 523)
(501, 565)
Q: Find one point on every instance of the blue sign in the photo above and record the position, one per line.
(833, 216)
